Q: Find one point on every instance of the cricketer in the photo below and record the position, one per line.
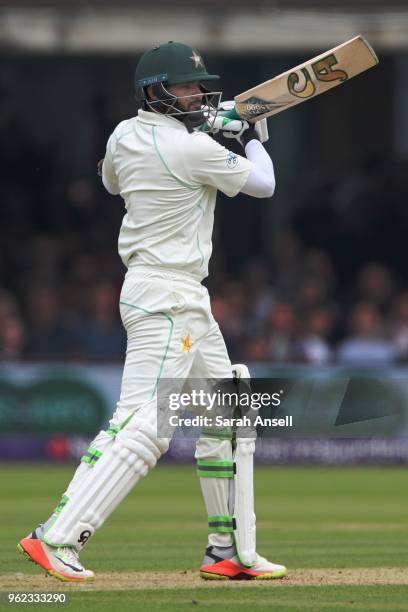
(167, 168)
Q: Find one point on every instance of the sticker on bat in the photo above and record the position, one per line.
(256, 106)
(308, 88)
(322, 70)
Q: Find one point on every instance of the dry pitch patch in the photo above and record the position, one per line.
(191, 580)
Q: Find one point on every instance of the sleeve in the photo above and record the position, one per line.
(209, 163)
(109, 178)
(261, 179)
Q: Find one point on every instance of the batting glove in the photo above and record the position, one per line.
(236, 128)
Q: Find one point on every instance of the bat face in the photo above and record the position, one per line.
(306, 80)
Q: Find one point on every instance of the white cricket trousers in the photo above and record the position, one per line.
(171, 334)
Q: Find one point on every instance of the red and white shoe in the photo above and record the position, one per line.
(61, 562)
(217, 566)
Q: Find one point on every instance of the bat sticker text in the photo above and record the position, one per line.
(323, 71)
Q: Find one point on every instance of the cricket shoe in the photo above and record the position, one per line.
(223, 564)
(62, 562)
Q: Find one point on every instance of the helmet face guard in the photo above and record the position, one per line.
(168, 104)
(170, 64)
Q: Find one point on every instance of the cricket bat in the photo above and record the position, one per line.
(305, 81)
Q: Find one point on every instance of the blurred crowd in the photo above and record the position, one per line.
(291, 311)
(295, 311)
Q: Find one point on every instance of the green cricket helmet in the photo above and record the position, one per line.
(171, 63)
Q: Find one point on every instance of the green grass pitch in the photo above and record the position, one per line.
(308, 517)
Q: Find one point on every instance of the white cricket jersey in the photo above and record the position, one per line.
(168, 179)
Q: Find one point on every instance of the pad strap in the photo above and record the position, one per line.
(91, 456)
(215, 468)
(221, 523)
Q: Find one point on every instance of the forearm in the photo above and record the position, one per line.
(261, 180)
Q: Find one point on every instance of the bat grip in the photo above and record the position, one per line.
(230, 114)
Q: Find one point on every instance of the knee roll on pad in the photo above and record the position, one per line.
(213, 448)
(139, 441)
(134, 452)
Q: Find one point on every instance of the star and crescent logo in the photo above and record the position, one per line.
(197, 60)
(186, 343)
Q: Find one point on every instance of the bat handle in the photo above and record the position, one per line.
(230, 114)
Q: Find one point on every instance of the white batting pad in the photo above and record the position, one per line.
(134, 452)
(245, 520)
